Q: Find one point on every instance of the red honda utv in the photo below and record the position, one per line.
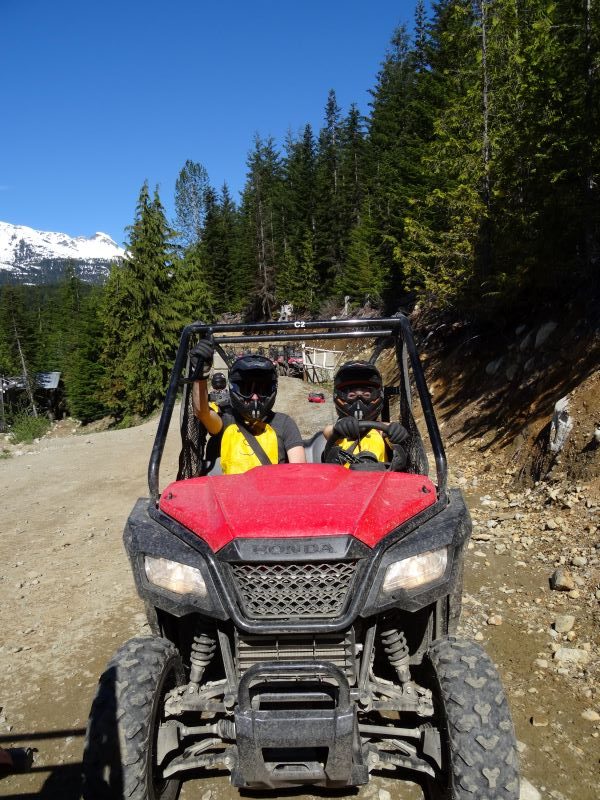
(303, 616)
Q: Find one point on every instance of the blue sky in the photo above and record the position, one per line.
(99, 96)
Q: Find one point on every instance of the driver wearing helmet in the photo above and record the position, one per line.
(358, 396)
(253, 434)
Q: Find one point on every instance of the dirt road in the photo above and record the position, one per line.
(67, 601)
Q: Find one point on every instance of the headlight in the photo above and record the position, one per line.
(416, 570)
(175, 577)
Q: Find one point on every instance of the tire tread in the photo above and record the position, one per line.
(483, 756)
(121, 706)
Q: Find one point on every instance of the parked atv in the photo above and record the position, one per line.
(316, 397)
(303, 615)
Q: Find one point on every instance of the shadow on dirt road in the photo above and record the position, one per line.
(63, 781)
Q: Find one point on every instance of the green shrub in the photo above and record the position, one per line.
(25, 428)
(129, 421)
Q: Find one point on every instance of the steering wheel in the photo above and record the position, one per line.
(346, 456)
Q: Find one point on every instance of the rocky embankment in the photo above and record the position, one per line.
(533, 580)
(531, 598)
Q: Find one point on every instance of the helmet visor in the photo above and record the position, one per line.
(363, 392)
(261, 386)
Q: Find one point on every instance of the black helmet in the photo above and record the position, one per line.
(218, 381)
(249, 376)
(358, 375)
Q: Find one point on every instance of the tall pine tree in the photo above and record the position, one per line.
(139, 348)
(329, 233)
(83, 369)
(190, 202)
(262, 224)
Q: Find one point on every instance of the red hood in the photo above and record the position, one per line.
(294, 500)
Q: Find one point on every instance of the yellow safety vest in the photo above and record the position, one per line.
(372, 441)
(237, 455)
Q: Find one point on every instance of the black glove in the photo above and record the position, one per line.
(201, 358)
(346, 428)
(396, 433)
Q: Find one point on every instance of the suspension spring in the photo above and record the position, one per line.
(396, 649)
(201, 653)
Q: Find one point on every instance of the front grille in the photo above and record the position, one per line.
(336, 648)
(314, 590)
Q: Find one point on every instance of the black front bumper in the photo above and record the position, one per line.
(280, 746)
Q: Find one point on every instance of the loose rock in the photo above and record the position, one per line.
(528, 791)
(571, 655)
(539, 720)
(561, 580)
(591, 715)
(564, 623)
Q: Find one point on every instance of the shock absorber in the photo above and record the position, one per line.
(396, 649)
(201, 653)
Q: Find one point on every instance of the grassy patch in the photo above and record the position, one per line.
(129, 421)
(25, 428)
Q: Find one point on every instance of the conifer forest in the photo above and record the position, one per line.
(472, 186)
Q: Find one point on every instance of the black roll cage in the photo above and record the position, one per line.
(391, 332)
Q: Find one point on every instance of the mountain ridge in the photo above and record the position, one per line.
(31, 256)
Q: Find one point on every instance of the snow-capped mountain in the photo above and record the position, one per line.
(30, 256)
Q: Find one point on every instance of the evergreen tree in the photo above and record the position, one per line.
(262, 224)
(329, 233)
(559, 141)
(364, 277)
(304, 290)
(297, 280)
(210, 248)
(7, 361)
(218, 251)
(300, 189)
(353, 183)
(405, 100)
(233, 288)
(19, 351)
(83, 370)
(190, 287)
(138, 353)
(287, 276)
(57, 311)
(421, 39)
(190, 202)
(16, 330)
(114, 317)
(438, 252)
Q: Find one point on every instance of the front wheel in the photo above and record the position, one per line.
(120, 744)
(479, 754)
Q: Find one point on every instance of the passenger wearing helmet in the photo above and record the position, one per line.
(358, 396)
(253, 434)
(219, 399)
